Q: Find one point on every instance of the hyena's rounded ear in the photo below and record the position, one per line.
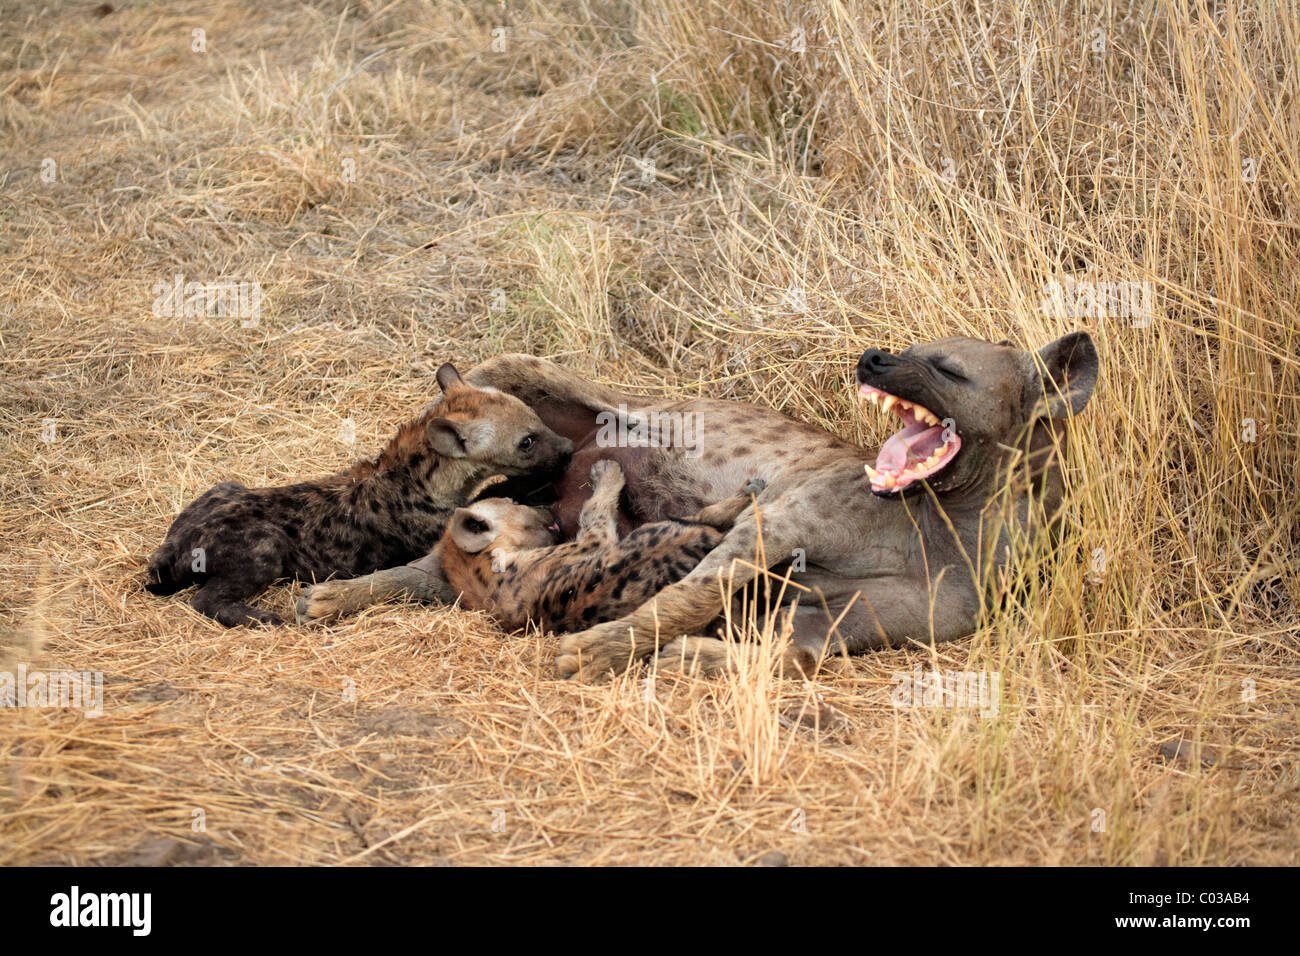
(446, 439)
(472, 530)
(1067, 374)
(449, 378)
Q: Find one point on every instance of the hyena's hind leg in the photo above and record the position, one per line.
(555, 393)
(223, 601)
(236, 571)
(724, 514)
(599, 518)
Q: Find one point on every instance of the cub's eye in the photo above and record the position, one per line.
(526, 442)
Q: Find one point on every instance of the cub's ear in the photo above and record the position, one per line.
(1066, 373)
(449, 378)
(446, 439)
(472, 529)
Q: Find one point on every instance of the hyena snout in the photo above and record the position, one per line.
(874, 362)
(541, 453)
(560, 455)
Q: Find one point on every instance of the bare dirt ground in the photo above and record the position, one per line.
(723, 198)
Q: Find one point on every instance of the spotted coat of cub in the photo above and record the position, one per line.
(233, 541)
(502, 559)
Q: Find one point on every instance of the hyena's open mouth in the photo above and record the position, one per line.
(921, 450)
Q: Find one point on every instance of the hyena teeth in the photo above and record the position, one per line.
(888, 402)
(871, 472)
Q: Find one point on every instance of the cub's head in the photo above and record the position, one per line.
(963, 402)
(494, 430)
(499, 524)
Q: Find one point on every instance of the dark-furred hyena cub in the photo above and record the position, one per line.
(233, 541)
(501, 558)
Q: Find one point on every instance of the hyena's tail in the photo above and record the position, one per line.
(167, 573)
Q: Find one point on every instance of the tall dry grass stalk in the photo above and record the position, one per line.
(726, 198)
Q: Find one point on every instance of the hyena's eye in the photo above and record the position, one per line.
(569, 595)
(526, 442)
(950, 371)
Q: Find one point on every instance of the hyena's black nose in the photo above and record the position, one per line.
(874, 362)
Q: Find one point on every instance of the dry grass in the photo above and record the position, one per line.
(673, 199)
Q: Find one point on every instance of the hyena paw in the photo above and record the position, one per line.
(256, 617)
(606, 474)
(596, 653)
(709, 657)
(322, 602)
(705, 656)
(754, 486)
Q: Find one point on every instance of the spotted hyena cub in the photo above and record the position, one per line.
(502, 557)
(233, 541)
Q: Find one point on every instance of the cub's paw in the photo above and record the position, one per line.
(256, 617)
(606, 474)
(755, 486)
(323, 602)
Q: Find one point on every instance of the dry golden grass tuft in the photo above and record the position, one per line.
(730, 198)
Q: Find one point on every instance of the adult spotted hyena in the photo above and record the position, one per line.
(885, 549)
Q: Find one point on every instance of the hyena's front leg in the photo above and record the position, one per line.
(418, 581)
(800, 637)
(710, 656)
(896, 611)
(598, 521)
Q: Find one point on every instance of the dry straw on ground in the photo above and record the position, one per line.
(728, 198)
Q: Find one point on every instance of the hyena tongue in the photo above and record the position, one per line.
(894, 454)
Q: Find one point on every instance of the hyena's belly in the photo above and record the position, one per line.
(574, 488)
